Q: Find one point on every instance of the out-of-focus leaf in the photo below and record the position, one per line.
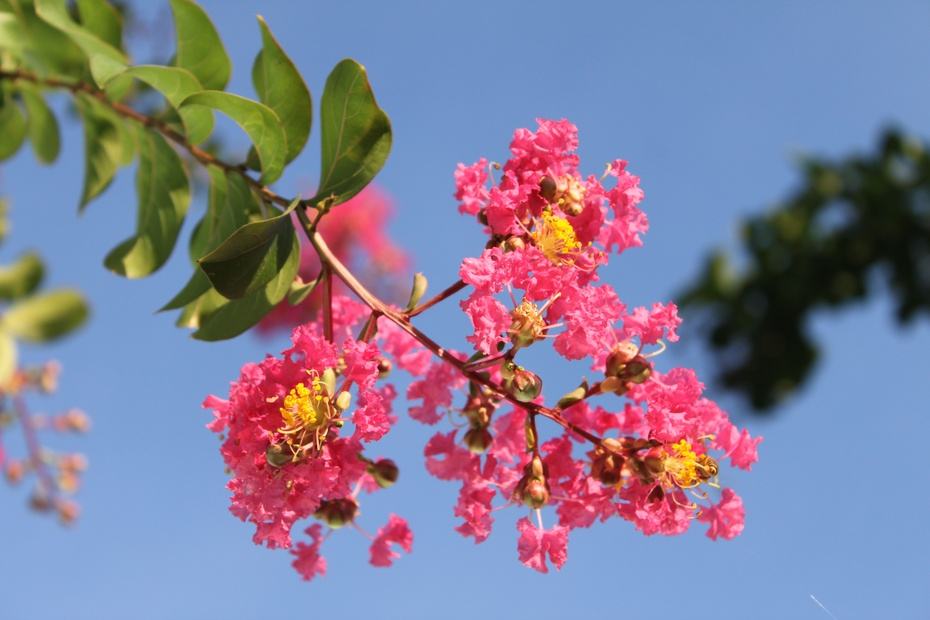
(164, 195)
(200, 49)
(174, 83)
(55, 12)
(37, 43)
(42, 126)
(356, 134)
(22, 277)
(420, 283)
(235, 317)
(12, 128)
(7, 357)
(107, 146)
(257, 120)
(102, 19)
(280, 86)
(251, 256)
(45, 317)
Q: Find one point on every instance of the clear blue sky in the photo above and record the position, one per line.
(709, 102)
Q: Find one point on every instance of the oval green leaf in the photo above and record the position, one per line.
(46, 317)
(200, 49)
(252, 256)
(22, 277)
(258, 121)
(12, 128)
(174, 84)
(107, 146)
(280, 86)
(235, 317)
(164, 195)
(356, 134)
(102, 19)
(42, 126)
(55, 13)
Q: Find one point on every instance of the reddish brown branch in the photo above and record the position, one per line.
(447, 293)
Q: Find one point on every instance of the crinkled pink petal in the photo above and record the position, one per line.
(726, 519)
(395, 532)
(307, 559)
(535, 544)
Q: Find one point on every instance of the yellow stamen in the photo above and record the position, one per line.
(555, 237)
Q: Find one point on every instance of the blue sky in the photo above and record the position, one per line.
(709, 102)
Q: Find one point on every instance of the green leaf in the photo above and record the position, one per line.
(280, 86)
(107, 146)
(417, 291)
(42, 126)
(46, 317)
(12, 128)
(175, 85)
(251, 256)
(356, 134)
(102, 19)
(235, 317)
(22, 277)
(300, 291)
(257, 120)
(7, 357)
(38, 44)
(200, 49)
(55, 12)
(229, 203)
(164, 195)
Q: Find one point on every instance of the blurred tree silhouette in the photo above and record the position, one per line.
(853, 224)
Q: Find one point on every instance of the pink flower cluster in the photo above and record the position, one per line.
(289, 450)
(639, 444)
(57, 474)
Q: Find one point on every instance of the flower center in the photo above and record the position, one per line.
(685, 468)
(555, 237)
(306, 407)
(527, 324)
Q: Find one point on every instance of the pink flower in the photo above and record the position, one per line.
(490, 318)
(589, 314)
(435, 390)
(455, 461)
(650, 326)
(307, 559)
(727, 518)
(470, 186)
(535, 544)
(395, 532)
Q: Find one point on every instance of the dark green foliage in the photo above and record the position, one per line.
(854, 226)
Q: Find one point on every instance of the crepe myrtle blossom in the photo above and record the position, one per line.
(640, 442)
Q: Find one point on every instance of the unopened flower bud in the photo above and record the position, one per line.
(478, 439)
(514, 243)
(40, 502)
(533, 488)
(525, 385)
(606, 466)
(343, 401)
(547, 188)
(278, 455)
(638, 370)
(337, 512)
(575, 396)
(622, 354)
(14, 471)
(384, 471)
(48, 377)
(384, 368)
(67, 511)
